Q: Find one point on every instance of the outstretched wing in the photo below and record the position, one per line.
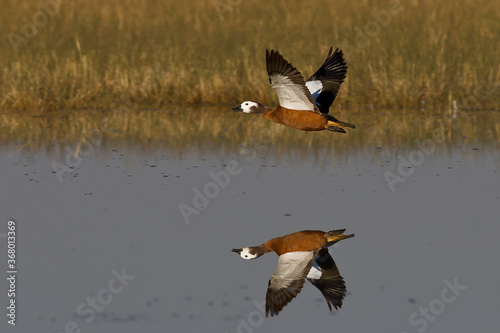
(325, 83)
(288, 83)
(325, 276)
(288, 279)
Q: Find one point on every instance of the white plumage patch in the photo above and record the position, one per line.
(291, 265)
(247, 105)
(290, 95)
(315, 272)
(315, 88)
(245, 254)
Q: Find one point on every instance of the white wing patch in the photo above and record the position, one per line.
(292, 264)
(315, 88)
(290, 95)
(315, 272)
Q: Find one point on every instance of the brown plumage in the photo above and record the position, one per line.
(302, 120)
(307, 240)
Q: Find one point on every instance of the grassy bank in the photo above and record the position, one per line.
(88, 54)
(202, 132)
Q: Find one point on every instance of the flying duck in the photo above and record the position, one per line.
(303, 105)
(303, 254)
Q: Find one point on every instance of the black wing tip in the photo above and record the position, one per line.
(334, 291)
(336, 61)
(337, 304)
(338, 53)
(275, 62)
(273, 54)
(275, 305)
(277, 299)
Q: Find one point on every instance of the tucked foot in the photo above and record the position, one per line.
(335, 129)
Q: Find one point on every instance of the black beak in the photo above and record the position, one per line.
(238, 109)
(236, 250)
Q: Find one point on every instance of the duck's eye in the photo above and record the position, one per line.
(246, 256)
(246, 103)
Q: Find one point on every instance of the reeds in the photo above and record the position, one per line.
(101, 54)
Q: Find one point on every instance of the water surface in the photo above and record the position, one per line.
(125, 175)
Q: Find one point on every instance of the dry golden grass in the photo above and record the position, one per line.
(101, 54)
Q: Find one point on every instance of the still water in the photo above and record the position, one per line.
(125, 220)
